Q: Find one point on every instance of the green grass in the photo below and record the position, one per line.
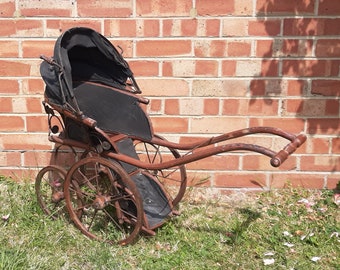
(290, 226)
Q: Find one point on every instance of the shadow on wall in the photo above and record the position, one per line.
(298, 66)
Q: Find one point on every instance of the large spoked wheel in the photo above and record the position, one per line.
(49, 185)
(103, 201)
(174, 180)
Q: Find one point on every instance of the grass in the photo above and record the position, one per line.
(286, 229)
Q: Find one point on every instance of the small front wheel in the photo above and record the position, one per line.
(49, 188)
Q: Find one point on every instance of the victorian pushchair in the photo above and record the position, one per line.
(122, 179)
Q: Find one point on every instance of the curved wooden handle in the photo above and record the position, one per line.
(290, 148)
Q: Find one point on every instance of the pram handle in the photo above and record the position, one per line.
(290, 148)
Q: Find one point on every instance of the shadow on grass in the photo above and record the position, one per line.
(240, 227)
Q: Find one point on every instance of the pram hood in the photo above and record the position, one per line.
(80, 78)
(83, 54)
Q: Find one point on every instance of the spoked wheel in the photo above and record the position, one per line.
(103, 201)
(49, 190)
(174, 180)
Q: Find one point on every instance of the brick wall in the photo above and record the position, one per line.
(208, 66)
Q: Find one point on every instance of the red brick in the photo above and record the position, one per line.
(312, 107)
(216, 124)
(214, 8)
(310, 68)
(104, 8)
(14, 68)
(170, 124)
(7, 8)
(316, 146)
(251, 162)
(161, 8)
(164, 87)
(264, 48)
(155, 106)
(239, 48)
(10, 159)
(320, 163)
(210, 48)
(123, 46)
(21, 28)
(163, 47)
(327, 48)
(323, 126)
(27, 141)
(253, 107)
(333, 181)
(8, 86)
(240, 180)
(206, 68)
(329, 7)
(311, 27)
(9, 48)
(11, 123)
(293, 47)
(264, 28)
(284, 180)
(36, 123)
(171, 107)
(144, 68)
(229, 68)
(36, 48)
(297, 87)
(61, 8)
(293, 125)
(34, 105)
(6, 105)
(54, 28)
(329, 87)
(217, 162)
(287, 7)
(211, 106)
(33, 86)
(336, 145)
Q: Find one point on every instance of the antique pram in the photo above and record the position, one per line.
(122, 178)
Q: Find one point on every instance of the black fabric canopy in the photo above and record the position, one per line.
(82, 57)
(86, 55)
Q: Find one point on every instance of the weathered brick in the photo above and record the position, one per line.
(311, 27)
(327, 48)
(210, 48)
(32, 8)
(264, 27)
(293, 125)
(251, 162)
(9, 86)
(104, 8)
(162, 8)
(214, 8)
(211, 106)
(322, 127)
(213, 163)
(310, 68)
(144, 68)
(55, 27)
(164, 87)
(9, 48)
(320, 163)
(170, 124)
(11, 123)
(7, 8)
(289, 7)
(36, 48)
(206, 125)
(311, 107)
(336, 146)
(9, 159)
(298, 179)
(329, 87)
(328, 7)
(219, 88)
(240, 180)
(148, 48)
(21, 28)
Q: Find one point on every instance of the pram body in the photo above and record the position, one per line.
(127, 179)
